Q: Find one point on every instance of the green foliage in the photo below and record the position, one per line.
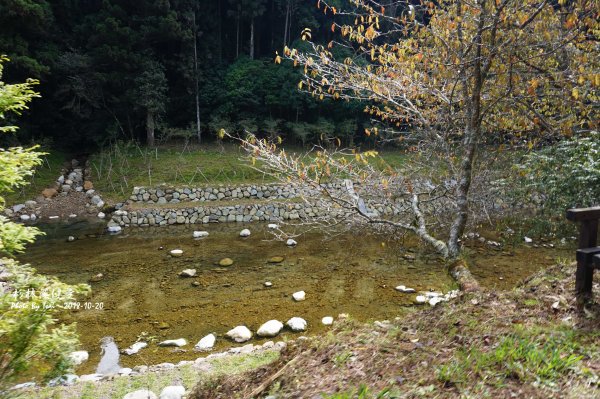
(363, 392)
(526, 356)
(566, 174)
(29, 302)
(14, 97)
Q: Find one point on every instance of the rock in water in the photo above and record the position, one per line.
(268, 284)
(114, 229)
(245, 233)
(101, 215)
(405, 290)
(273, 226)
(421, 299)
(299, 296)
(276, 259)
(109, 363)
(79, 357)
(327, 320)
(206, 343)
(188, 273)
(200, 234)
(290, 242)
(296, 324)
(135, 348)
(239, 334)
(176, 253)
(270, 329)
(174, 342)
(172, 392)
(226, 262)
(141, 394)
(96, 278)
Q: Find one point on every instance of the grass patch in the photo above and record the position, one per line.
(45, 175)
(187, 375)
(116, 170)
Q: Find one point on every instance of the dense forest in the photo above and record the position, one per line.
(119, 69)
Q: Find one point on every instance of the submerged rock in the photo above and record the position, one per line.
(174, 342)
(270, 329)
(188, 273)
(299, 296)
(296, 324)
(239, 334)
(276, 259)
(226, 262)
(206, 343)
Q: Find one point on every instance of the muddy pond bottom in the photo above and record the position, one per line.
(142, 296)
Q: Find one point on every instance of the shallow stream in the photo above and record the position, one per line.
(141, 293)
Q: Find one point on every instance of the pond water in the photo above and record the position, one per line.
(141, 293)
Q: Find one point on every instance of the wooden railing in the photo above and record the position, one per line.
(588, 253)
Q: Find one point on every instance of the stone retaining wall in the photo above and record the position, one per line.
(176, 195)
(269, 211)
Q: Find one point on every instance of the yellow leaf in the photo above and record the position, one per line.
(575, 93)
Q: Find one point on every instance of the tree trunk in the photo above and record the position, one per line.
(220, 35)
(237, 34)
(198, 131)
(252, 38)
(150, 128)
(287, 21)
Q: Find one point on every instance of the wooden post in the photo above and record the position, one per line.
(588, 236)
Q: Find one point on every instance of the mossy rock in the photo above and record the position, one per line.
(226, 262)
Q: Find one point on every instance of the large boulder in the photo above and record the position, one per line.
(270, 329)
(239, 334)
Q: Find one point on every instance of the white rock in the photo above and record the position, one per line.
(405, 290)
(273, 226)
(18, 208)
(140, 394)
(433, 294)
(70, 238)
(270, 329)
(135, 348)
(24, 385)
(67, 380)
(327, 320)
(299, 296)
(174, 342)
(172, 392)
(25, 218)
(78, 357)
(206, 343)
(33, 216)
(90, 377)
(188, 273)
(239, 334)
(528, 240)
(100, 205)
(290, 242)
(200, 234)
(268, 284)
(53, 217)
(125, 371)
(61, 179)
(296, 324)
(114, 229)
(245, 233)
(435, 300)
(72, 215)
(176, 252)
(421, 299)
(101, 215)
